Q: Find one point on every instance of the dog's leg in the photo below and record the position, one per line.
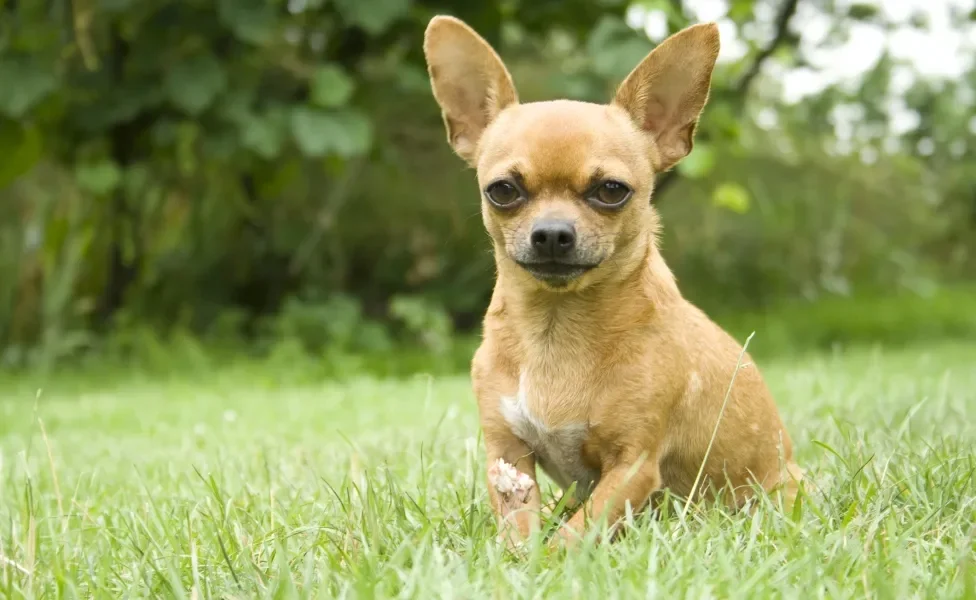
(629, 482)
(788, 486)
(570, 505)
(517, 506)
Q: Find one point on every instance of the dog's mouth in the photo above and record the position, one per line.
(556, 273)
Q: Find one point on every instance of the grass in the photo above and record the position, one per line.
(243, 483)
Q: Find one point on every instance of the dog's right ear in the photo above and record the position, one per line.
(469, 80)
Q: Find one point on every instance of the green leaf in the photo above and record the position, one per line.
(331, 87)
(113, 105)
(252, 21)
(263, 135)
(136, 179)
(346, 133)
(373, 16)
(311, 130)
(732, 196)
(412, 79)
(187, 134)
(24, 82)
(699, 163)
(664, 6)
(723, 120)
(115, 6)
(99, 177)
(285, 586)
(21, 149)
(221, 145)
(192, 85)
(862, 12)
(236, 105)
(615, 48)
(740, 10)
(353, 135)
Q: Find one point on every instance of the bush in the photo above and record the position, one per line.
(865, 319)
(276, 174)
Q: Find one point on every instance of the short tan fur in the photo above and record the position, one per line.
(593, 366)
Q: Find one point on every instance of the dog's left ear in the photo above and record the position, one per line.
(667, 91)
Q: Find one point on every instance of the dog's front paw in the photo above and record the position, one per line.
(513, 486)
(513, 491)
(512, 539)
(566, 537)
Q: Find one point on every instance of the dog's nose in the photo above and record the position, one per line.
(553, 238)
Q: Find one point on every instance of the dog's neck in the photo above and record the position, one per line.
(617, 304)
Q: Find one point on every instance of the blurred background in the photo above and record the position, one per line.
(182, 180)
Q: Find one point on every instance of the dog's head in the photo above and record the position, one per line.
(566, 185)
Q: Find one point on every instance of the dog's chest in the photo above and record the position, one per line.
(558, 450)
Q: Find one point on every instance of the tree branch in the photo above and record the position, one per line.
(786, 12)
(741, 89)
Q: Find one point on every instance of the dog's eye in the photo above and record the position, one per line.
(611, 193)
(503, 193)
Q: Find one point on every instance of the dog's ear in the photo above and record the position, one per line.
(667, 91)
(469, 80)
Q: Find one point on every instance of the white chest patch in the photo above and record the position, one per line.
(558, 450)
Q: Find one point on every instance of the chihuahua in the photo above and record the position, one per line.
(592, 365)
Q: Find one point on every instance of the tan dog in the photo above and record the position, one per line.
(593, 365)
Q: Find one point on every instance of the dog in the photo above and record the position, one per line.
(593, 366)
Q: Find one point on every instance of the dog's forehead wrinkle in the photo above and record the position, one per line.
(564, 143)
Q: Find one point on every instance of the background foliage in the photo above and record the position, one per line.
(276, 172)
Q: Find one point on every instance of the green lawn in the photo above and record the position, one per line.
(239, 483)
